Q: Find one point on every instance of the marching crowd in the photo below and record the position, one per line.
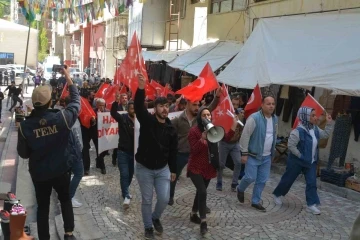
(58, 144)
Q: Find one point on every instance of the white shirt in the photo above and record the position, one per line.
(269, 137)
(315, 143)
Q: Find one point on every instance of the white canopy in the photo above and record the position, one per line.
(156, 56)
(319, 50)
(216, 53)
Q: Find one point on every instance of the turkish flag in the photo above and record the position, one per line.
(65, 92)
(150, 91)
(100, 93)
(310, 102)
(131, 66)
(159, 88)
(254, 102)
(123, 90)
(205, 82)
(220, 115)
(86, 112)
(109, 95)
(167, 90)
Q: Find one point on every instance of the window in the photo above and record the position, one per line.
(175, 8)
(227, 5)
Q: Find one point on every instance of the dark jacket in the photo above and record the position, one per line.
(44, 136)
(126, 129)
(11, 89)
(154, 152)
(182, 126)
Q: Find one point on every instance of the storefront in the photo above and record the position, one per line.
(6, 58)
(317, 54)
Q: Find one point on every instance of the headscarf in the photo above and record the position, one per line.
(199, 119)
(304, 114)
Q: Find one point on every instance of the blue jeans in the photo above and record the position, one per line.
(78, 170)
(293, 170)
(257, 171)
(126, 168)
(148, 180)
(234, 150)
(181, 161)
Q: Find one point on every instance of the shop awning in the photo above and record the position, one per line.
(156, 56)
(216, 53)
(320, 50)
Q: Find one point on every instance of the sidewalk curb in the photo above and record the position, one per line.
(6, 187)
(327, 187)
(85, 225)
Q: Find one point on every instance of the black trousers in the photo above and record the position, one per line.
(43, 190)
(16, 99)
(88, 134)
(201, 185)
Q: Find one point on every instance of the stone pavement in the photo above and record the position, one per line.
(228, 219)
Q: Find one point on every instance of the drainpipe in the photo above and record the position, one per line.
(113, 45)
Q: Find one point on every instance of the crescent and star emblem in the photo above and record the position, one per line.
(202, 82)
(251, 99)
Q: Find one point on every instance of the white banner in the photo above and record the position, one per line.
(108, 131)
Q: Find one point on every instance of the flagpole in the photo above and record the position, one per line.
(317, 102)
(26, 54)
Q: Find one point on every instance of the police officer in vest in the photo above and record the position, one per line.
(43, 138)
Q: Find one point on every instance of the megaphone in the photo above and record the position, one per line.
(214, 133)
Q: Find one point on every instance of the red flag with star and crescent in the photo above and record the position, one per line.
(131, 66)
(254, 102)
(86, 112)
(220, 114)
(205, 83)
(310, 102)
(101, 92)
(109, 95)
(65, 92)
(160, 90)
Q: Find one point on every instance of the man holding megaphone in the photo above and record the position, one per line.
(204, 160)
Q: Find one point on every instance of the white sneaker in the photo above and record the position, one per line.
(130, 196)
(277, 200)
(313, 209)
(75, 203)
(126, 203)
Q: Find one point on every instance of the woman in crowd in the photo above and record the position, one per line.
(200, 170)
(304, 151)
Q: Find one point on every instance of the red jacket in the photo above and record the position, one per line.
(199, 154)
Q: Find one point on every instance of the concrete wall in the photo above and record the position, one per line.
(15, 42)
(238, 25)
(272, 8)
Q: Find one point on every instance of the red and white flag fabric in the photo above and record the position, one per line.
(123, 90)
(205, 83)
(131, 66)
(109, 95)
(86, 112)
(160, 90)
(101, 92)
(254, 102)
(220, 115)
(167, 90)
(150, 91)
(310, 102)
(65, 92)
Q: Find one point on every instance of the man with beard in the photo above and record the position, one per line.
(125, 150)
(182, 124)
(155, 157)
